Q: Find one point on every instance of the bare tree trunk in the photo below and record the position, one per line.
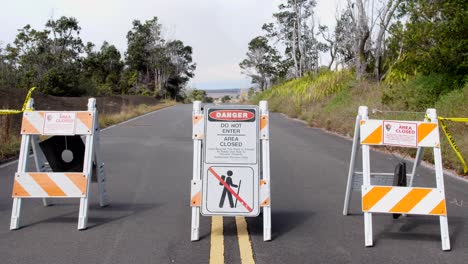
(298, 11)
(362, 37)
(294, 53)
(385, 17)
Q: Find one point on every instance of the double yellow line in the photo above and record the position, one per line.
(217, 241)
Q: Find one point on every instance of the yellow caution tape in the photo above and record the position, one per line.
(23, 109)
(451, 140)
(454, 119)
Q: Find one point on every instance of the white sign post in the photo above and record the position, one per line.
(228, 143)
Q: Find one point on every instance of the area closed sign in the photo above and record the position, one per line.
(231, 161)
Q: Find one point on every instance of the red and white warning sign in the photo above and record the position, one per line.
(400, 133)
(59, 123)
(231, 161)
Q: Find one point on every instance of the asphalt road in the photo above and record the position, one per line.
(149, 166)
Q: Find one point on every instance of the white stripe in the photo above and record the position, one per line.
(368, 127)
(390, 199)
(431, 140)
(30, 185)
(428, 203)
(81, 128)
(66, 185)
(35, 119)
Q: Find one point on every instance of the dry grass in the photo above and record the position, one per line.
(9, 147)
(106, 120)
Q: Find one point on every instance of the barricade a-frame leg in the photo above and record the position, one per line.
(101, 173)
(352, 165)
(368, 236)
(444, 232)
(87, 169)
(265, 142)
(22, 165)
(197, 135)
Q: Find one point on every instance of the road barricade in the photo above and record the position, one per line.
(231, 163)
(43, 183)
(377, 193)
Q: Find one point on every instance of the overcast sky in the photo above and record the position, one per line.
(218, 30)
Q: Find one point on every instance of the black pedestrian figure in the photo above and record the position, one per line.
(228, 181)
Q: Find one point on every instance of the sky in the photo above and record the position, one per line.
(217, 30)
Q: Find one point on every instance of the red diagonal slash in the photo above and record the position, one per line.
(210, 169)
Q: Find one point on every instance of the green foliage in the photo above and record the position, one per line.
(226, 99)
(199, 95)
(434, 39)
(58, 63)
(418, 93)
(336, 108)
(294, 96)
(164, 67)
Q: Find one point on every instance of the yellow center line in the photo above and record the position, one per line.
(245, 246)
(217, 240)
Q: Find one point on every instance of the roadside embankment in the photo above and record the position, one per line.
(331, 100)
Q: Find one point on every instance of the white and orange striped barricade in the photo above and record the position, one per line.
(377, 194)
(43, 183)
(231, 163)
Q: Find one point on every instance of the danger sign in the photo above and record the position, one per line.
(231, 161)
(231, 136)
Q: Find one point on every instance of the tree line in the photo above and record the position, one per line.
(377, 39)
(58, 62)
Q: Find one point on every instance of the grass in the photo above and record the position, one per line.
(9, 147)
(129, 112)
(331, 100)
(11, 144)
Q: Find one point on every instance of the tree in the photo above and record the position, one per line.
(163, 67)
(433, 40)
(104, 68)
(49, 59)
(294, 28)
(263, 63)
(226, 99)
(385, 16)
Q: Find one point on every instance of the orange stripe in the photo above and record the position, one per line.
(266, 202)
(196, 199)
(362, 122)
(410, 200)
(86, 118)
(439, 209)
(262, 182)
(197, 119)
(79, 179)
(375, 137)
(373, 196)
(47, 184)
(27, 127)
(424, 129)
(263, 122)
(19, 191)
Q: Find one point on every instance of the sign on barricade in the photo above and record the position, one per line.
(46, 183)
(231, 166)
(377, 193)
